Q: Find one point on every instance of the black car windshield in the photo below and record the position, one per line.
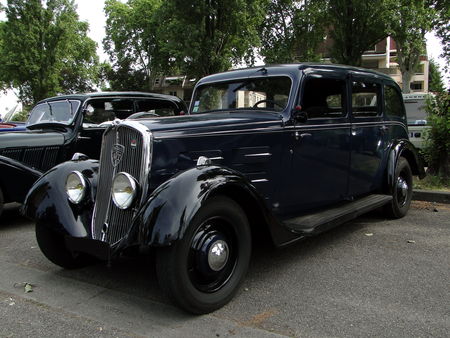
(62, 112)
(268, 94)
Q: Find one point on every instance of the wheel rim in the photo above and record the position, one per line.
(212, 255)
(402, 190)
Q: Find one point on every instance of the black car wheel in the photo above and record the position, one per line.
(402, 190)
(53, 247)
(203, 271)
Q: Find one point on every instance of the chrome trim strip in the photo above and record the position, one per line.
(285, 129)
(260, 180)
(258, 155)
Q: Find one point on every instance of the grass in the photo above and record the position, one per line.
(432, 183)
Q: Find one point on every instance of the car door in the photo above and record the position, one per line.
(321, 145)
(367, 135)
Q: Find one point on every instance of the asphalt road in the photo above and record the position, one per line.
(369, 277)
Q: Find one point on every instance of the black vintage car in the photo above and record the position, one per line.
(289, 151)
(61, 126)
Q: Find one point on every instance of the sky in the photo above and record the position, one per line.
(92, 12)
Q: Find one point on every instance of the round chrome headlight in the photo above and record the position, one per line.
(75, 187)
(124, 190)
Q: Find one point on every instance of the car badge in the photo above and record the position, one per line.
(116, 154)
(133, 143)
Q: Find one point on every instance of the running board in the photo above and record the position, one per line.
(321, 221)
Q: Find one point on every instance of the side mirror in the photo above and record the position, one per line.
(298, 115)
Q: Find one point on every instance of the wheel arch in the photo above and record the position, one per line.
(166, 215)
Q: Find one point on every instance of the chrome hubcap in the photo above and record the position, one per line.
(218, 255)
(402, 190)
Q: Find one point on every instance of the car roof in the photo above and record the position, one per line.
(130, 94)
(289, 69)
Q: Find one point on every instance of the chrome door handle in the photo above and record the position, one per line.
(299, 135)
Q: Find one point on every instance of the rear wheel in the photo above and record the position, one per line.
(203, 271)
(402, 190)
(53, 247)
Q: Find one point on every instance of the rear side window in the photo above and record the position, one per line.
(393, 103)
(324, 98)
(365, 99)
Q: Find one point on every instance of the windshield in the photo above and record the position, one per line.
(269, 93)
(54, 112)
(415, 111)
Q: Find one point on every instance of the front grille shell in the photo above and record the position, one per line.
(109, 223)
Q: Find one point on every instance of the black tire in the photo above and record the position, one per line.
(53, 247)
(188, 271)
(401, 191)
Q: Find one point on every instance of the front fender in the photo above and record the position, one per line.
(47, 202)
(405, 149)
(16, 179)
(171, 207)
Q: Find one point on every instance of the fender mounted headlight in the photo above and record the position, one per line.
(75, 187)
(124, 190)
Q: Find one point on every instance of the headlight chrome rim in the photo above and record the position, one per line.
(75, 194)
(128, 202)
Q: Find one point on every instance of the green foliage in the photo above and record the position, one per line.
(355, 27)
(47, 50)
(442, 27)
(437, 150)
(293, 30)
(408, 22)
(203, 37)
(132, 43)
(435, 81)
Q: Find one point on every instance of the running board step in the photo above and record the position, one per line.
(321, 221)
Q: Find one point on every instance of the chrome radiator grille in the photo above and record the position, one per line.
(110, 223)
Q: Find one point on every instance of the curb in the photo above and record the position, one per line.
(431, 196)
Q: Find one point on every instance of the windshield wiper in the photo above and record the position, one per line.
(50, 108)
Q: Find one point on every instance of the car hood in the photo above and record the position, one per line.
(30, 138)
(211, 122)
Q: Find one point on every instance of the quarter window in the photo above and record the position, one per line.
(365, 99)
(393, 103)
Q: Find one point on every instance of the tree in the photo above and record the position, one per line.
(442, 26)
(354, 27)
(207, 36)
(293, 30)
(437, 151)
(408, 23)
(48, 51)
(132, 43)
(435, 82)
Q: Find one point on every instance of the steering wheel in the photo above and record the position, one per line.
(274, 103)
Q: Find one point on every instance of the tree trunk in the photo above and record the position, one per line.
(406, 82)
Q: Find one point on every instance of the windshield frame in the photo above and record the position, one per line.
(243, 80)
(74, 111)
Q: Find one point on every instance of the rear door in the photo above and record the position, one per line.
(367, 135)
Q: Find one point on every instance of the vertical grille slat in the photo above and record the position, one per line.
(105, 212)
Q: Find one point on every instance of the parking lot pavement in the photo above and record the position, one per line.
(369, 277)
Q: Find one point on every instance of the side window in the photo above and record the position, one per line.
(324, 98)
(365, 99)
(393, 103)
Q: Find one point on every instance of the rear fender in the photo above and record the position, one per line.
(403, 148)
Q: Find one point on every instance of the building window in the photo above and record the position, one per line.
(416, 85)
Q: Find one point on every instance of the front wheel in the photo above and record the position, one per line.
(53, 247)
(203, 271)
(402, 190)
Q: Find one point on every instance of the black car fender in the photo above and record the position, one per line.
(47, 201)
(403, 148)
(15, 179)
(165, 216)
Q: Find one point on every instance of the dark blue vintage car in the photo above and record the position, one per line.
(288, 151)
(61, 126)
